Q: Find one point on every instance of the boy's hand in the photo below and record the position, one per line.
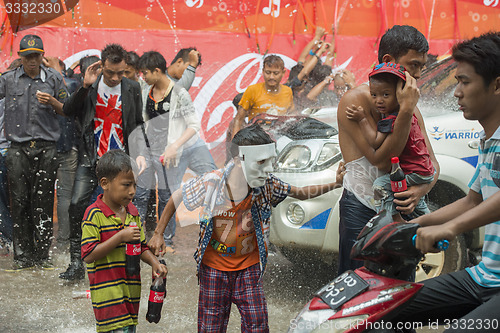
(157, 244)
(129, 234)
(355, 113)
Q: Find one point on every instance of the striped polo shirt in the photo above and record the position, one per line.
(486, 181)
(115, 295)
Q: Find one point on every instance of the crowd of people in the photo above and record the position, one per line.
(125, 129)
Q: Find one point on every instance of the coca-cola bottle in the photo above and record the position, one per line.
(133, 255)
(156, 296)
(397, 176)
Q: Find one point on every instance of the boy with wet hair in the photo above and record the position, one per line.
(269, 96)
(105, 231)
(468, 300)
(414, 159)
(234, 230)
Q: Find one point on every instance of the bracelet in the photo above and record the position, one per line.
(311, 52)
(317, 56)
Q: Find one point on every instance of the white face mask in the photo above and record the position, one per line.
(257, 163)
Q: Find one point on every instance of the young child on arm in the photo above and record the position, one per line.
(414, 160)
(105, 230)
(234, 229)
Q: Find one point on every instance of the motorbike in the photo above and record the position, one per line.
(366, 299)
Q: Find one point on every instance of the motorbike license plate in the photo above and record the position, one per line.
(344, 288)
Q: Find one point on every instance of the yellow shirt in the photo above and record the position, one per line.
(257, 99)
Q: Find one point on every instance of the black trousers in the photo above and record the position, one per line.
(31, 171)
(84, 186)
(457, 302)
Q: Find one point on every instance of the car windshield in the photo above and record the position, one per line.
(437, 85)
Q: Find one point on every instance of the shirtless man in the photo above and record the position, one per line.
(404, 45)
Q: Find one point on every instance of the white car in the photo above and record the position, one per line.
(309, 229)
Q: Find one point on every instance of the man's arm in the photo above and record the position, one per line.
(156, 243)
(74, 104)
(395, 143)
(461, 216)
(319, 33)
(406, 201)
(186, 81)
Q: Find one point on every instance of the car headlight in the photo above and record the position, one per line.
(296, 158)
(327, 153)
(295, 213)
(330, 154)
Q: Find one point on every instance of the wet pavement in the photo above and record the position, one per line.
(38, 301)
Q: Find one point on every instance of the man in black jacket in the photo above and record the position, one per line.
(108, 108)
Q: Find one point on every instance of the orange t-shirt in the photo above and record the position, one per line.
(256, 99)
(233, 245)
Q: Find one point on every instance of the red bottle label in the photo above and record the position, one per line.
(398, 186)
(156, 297)
(133, 249)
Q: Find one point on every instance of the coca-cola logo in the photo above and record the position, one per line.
(133, 249)
(156, 297)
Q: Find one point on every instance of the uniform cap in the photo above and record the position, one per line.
(30, 44)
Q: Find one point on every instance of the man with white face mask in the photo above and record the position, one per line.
(234, 223)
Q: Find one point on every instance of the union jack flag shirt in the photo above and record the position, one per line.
(108, 131)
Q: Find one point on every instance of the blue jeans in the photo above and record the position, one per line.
(197, 158)
(5, 219)
(353, 218)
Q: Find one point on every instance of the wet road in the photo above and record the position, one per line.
(38, 301)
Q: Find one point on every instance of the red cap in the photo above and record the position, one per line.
(395, 160)
(389, 67)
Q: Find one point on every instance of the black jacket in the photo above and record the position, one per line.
(81, 105)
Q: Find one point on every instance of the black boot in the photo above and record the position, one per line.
(76, 270)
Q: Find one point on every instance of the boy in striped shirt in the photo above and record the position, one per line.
(469, 300)
(105, 230)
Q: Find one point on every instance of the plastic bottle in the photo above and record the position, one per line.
(156, 296)
(397, 176)
(81, 294)
(133, 256)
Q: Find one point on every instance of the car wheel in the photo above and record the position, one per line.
(451, 260)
